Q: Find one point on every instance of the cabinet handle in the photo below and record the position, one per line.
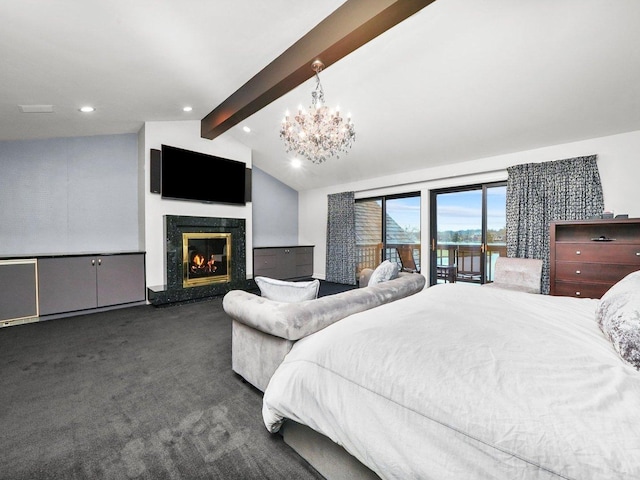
(577, 252)
(637, 254)
(93, 262)
(578, 272)
(577, 294)
(99, 261)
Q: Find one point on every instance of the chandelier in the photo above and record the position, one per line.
(320, 133)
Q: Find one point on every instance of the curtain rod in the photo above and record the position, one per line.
(447, 177)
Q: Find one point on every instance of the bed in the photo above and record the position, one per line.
(460, 381)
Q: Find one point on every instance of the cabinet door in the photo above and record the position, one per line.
(304, 262)
(265, 262)
(120, 279)
(66, 284)
(18, 296)
(286, 263)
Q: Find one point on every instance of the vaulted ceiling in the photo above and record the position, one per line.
(459, 80)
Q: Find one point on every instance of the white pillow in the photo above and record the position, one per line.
(289, 292)
(385, 271)
(618, 315)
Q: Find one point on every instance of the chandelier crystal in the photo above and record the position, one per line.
(320, 133)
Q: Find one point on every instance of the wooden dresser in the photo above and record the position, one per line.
(588, 257)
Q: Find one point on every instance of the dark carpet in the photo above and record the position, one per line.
(142, 393)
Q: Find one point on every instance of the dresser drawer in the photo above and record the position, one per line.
(599, 252)
(580, 290)
(593, 272)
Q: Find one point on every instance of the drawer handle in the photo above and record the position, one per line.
(578, 272)
(577, 294)
(637, 254)
(577, 252)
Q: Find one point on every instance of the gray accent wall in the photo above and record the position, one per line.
(275, 211)
(69, 195)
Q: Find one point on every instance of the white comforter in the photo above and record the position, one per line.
(467, 382)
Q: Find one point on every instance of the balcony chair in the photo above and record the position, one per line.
(405, 253)
(448, 272)
(521, 274)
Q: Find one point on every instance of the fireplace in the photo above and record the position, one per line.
(205, 256)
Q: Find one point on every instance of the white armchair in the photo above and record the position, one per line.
(521, 274)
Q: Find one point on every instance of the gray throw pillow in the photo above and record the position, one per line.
(385, 271)
(618, 315)
(288, 292)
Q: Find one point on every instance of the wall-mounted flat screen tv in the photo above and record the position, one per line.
(188, 175)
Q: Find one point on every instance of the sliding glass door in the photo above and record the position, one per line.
(467, 232)
(388, 228)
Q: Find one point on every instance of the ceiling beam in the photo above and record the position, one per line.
(353, 24)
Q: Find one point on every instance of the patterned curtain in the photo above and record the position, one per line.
(539, 193)
(341, 239)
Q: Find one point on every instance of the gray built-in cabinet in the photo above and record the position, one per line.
(84, 282)
(283, 263)
(60, 284)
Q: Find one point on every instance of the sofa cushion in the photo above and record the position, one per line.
(384, 272)
(288, 292)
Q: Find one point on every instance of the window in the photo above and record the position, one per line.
(386, 226)
(468, 232)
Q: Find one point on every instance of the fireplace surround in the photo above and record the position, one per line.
(222, 243)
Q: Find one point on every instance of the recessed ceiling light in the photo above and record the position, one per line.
(187, 109)
(87, 109)
(296, 163)
(36, 108)
(246, 129)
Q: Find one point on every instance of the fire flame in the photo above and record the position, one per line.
(198, 260)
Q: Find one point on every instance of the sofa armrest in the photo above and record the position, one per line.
(293, 321)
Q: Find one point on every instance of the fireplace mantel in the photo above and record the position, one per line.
(174, 290)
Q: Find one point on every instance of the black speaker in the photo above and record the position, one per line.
(155, 169)
(247, 185)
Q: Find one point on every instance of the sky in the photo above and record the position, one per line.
(405, 211)
(463, 210)
(456, 210)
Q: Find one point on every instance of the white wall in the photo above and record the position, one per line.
(275, 211)
(617, 162)
(69, 195)
(184, 135)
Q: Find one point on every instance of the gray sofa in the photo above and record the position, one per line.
(263, 331)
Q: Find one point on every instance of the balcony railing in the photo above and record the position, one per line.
(466, 257)
(370, 255)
